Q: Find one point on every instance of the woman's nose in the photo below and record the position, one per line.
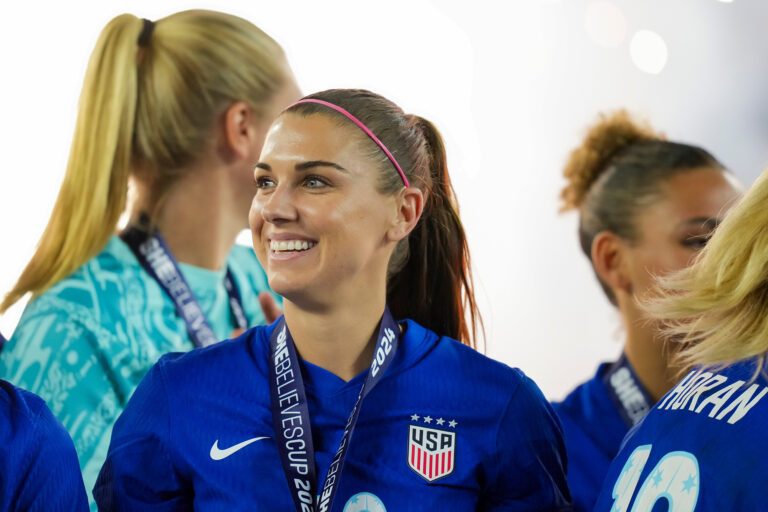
(279, 206)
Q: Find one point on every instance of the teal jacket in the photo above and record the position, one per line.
(84, 345)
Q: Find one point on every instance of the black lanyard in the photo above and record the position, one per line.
(156, 258)
(3, 341)
(290, 414)
(629, 396)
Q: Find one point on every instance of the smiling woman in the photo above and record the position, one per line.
(355, 223)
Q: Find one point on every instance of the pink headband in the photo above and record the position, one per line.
(362, 126)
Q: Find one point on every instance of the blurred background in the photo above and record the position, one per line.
(512, 86)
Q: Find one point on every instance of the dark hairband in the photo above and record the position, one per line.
(146, 32)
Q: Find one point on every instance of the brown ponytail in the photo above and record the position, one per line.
(434, 287)
(430, 276)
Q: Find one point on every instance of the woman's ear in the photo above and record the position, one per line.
(240, 131)
(410, 206)
(610, 259)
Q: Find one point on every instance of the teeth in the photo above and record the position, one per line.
(290, 245)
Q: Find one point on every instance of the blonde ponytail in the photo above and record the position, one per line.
(147, 111)
(93, 194)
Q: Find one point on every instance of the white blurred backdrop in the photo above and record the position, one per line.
(512, 85)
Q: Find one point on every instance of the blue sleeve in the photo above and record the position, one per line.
(531, 459)
(47, 473)
(139, 473)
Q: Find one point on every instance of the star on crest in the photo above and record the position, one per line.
(414, 417)
(440, 421)
(452, 423)
(427, 419)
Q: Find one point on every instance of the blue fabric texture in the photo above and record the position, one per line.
(39, 471)
(166, 448)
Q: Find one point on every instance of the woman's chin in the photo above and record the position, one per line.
(289, 289)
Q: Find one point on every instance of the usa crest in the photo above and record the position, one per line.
(431, 451)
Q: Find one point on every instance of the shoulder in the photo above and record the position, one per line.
(503, 393)
(113, 268)
(500, 412)
(38, 464)
(111, 275)
(240, 358)
(19, 408)
(61, 331)
(452, 357)
(28, 423)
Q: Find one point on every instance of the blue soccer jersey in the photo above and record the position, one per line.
(701, 448)
(595, 418)
(198, 433)
(38, 465)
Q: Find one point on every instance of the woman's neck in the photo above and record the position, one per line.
(649, 355)
(196, 218)
(339, 339)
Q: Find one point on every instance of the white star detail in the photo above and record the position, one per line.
(452, 423)
(427, 419)
(414, 417)
(440, 421)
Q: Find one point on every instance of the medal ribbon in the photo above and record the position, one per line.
(290, 415)
(156, 258)
(632, 400)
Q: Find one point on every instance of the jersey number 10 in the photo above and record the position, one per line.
(675, 478)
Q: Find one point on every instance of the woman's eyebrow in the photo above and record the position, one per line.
(304, 166)
(318, 163)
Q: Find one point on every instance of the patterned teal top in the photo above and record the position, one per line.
(85, 344)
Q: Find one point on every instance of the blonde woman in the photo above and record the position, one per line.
(702, 447)
(180, 107)
(646, 206)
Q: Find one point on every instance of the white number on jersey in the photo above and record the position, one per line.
(675, 478)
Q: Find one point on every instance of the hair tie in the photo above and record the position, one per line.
(360, 125)
(146, 32)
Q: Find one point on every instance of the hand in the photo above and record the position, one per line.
(269, 307)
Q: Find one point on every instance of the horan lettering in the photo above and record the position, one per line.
(702, 391)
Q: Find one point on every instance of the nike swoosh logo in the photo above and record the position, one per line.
(218, 454)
